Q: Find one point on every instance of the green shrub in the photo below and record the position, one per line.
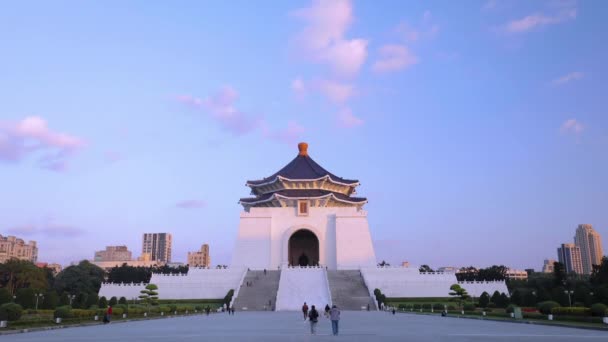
(118, 311)
(547, 306)
(426, 306)
(164, 308)
(63, 312)
(571, 311)
(599, 309)
(124, 307)
(5, 296)
(417, 306)
(468, 307)
(26, 298)
(173, 307)
(510, 308)
(451, 307)
(201, 308)
(82, 313)
(103, 303)
(10, 312)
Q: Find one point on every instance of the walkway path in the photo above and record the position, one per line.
(288, 326)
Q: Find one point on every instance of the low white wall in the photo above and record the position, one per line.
(410, 283)
(198, 283)
(298, 285)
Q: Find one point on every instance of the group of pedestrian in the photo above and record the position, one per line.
(332, 313)
(249, 283)
(230, 310)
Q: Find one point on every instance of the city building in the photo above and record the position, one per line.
(13, 247)
(448, 269)
(200, 258)
(113, 253)
(548, 265)
(570, 255)
(55, 267)
(405, 264)
(158, 245)
(516, 274)
(590, 244)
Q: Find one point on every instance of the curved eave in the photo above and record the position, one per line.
(277, 178)
(277, 196)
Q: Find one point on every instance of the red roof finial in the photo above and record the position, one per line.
(303, 147)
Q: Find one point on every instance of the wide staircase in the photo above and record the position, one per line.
(302, 284)
(263, 290)
(348, 290)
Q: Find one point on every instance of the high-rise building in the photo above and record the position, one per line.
(113, 253)
(570, 255)
(548, 265)
(200, 258)
(158, 245)
(13, 247)
(590, 243)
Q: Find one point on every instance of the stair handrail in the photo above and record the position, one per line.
(327, 287)
(369, 290)
(238, 289)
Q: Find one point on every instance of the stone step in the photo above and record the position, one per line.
(348, 290)
(263, 290)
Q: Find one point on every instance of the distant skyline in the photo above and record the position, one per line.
(478, 129)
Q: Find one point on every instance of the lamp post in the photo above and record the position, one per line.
(38, 295)
(569, 293)
(14, 298)
(71, 297)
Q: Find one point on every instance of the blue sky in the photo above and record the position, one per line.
(478, 129)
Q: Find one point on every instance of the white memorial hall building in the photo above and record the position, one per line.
(303, 237)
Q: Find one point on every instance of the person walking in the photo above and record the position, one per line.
(305, 310)
(334, 315)
(313, 318)
(108, 317)
(327, 310)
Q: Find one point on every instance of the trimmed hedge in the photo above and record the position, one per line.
(571, 311)
(63, 312)
(10, 312)
(468, 307)
(599, 309)
(546, 307)
(438, 306)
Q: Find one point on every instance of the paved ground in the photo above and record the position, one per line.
(281, 326)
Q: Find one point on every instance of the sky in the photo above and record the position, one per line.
(478, 129)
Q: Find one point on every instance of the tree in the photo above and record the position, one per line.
(113, 301)
(123, 300)
(495, 298)
(82, 278)
(504, 300)
(149, 295)
(103, 303)
(599, 274)
(459, 293)
(50, 300)
(384, 263)
(517, 297)
(529, 299)
(5, 296)
(92, 299)
(425, 269)
(559, 274)
(17, 274)
(484, 300)
(64, 299)
(80, 302)
(26, 298)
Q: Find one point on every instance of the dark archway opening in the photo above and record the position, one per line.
(303, 248)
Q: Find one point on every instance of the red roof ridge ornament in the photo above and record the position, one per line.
(303, 148)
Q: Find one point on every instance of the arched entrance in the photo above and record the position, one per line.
(303, 248)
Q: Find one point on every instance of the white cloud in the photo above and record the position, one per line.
(533, 21)
(573, 76)
(572, 126)
(347, 119)
(394, 57)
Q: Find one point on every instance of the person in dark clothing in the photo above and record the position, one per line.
(305, 310)
(327, 308)
(108, 316)
(313, 318)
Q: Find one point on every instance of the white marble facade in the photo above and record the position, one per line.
(342, 232)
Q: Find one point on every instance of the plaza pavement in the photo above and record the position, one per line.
(289, 326)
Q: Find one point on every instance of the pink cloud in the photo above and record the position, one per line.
(346, 119)
(221, 107)
(531, 22)
(335, 91)
(572, 126)
(323, 39)
(191, 204)
(573, 76)
(32, 136)
(394, 58)
(289, 135)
